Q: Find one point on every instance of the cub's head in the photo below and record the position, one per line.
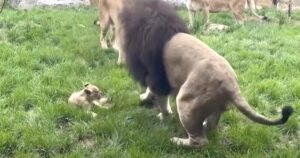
(92, 92)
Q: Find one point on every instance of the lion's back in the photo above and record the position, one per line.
(148, 25)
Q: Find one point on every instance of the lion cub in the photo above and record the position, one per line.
(87, 97)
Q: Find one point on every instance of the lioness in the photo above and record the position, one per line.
(161, 55)
(109, 11)
(236, 6)
(87, 97)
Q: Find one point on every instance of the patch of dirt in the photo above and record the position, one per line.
(87, 140)
(28, 107)
(63, 122)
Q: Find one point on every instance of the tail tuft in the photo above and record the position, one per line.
(287, 111)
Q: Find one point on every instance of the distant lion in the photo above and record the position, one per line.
(109, 16)
(162, 55)
(236, 6)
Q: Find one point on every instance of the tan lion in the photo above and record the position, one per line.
(109, 11)
(236, 6)
(161, 55)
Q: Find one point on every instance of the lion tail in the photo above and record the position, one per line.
(252, 5)
(240, 102)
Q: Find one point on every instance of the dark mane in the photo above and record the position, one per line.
(148, 25)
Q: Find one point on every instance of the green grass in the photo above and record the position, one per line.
(46, 54)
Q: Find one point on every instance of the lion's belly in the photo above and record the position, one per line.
(195, 6)
(214, 5)
(219, 7)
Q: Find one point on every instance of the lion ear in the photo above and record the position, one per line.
(87, 91)
(86, 84)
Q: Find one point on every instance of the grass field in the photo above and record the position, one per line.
(46, 54)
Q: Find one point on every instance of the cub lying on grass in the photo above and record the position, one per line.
(88, 96)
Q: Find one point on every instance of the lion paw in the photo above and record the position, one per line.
(180, 141)
(145, 96)
(161, 116)
(104, 45)
(94, 115)
(120, 61)
(187, 142)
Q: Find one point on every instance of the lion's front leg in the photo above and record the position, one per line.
(104, 25)
(119, 41)
(147, 95)
(192, 112)
(164, 106)
(121, 58)
(191, 18)
(113, 41)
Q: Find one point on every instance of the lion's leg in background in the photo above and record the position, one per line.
(239, 16)
(164, 106)
(119, 42)
(191, 116)
(104, 25)
(205, 13)
(105, 22)
(212, 121)
(239, 13)
(147, 95)
(113, 38)
(2, 3)
(191, 17)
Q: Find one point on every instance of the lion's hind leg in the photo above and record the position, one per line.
(211, 121)
(104, 26)
(205, 12)
(193, 125)
(191, 115)
(238, 14)
(191, 18)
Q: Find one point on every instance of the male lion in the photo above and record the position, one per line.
(161, 55)
(109, 11)
(206, 6)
